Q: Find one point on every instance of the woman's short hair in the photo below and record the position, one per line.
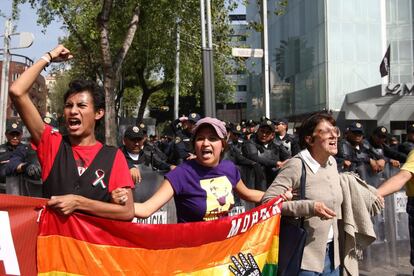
(97, 93)
(309, 124)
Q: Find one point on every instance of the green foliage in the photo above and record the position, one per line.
(130, 99)
(150, 61)
(279, 10)
(57, 92)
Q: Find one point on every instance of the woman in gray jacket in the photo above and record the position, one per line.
(321, 209)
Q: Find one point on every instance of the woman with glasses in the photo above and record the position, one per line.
(321, 209)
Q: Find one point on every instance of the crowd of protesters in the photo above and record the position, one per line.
(208, 164)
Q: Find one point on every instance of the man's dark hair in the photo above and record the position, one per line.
(97, 93)
(309, 124)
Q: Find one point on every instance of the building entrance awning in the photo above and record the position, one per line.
(384, 103)
(379, 95)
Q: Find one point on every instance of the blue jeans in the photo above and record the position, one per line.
(328, 269)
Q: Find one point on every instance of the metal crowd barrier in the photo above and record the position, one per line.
(151, 180)
(2, 187)
(391, 227)
(21, 185)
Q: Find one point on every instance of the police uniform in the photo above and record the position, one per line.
(383, 151)
(249, 125)
(290, 142)
(250, 171)
(6, 150)
(149, 155)
(182, 147)
(359, 155)
(234, 151)
(267, 155)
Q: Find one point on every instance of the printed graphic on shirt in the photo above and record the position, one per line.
(82, 165)
(219, 197)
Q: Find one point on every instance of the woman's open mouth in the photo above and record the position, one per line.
(207, 153)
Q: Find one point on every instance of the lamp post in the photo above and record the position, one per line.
(208, 65)
(177, 72)
(265, 64)
(25, 41)
(5, 79)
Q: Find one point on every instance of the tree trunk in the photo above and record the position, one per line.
(112, 67)
(147, 92)
(143, 104)
(111, 129)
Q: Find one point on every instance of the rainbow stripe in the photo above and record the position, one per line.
(84, 245)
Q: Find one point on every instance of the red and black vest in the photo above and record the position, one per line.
(93, 183)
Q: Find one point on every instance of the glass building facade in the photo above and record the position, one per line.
(400, 37)
(321, 50)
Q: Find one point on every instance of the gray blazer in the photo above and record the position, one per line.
(323, 186)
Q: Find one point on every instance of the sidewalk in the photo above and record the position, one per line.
(381, 263)
(404, 269)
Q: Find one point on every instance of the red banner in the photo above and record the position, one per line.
(83, 245)
(18, 234)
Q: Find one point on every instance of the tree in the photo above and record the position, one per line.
(101, 36)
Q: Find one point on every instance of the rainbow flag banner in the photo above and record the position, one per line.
(84, 245)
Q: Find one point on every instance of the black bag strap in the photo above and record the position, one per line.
(302, 186)
(302, 180)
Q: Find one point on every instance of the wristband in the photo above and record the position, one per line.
(46, 59)
(50, 56)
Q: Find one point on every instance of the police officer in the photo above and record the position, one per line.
(235, 144)
(382, 150)
(152, 151)
(133, 143)
(354, 154)
(408, 145)
(283, 138)
(250, 129)
(250, 171)
(14, 136)
(182, 142)
(264, 151)
(138, 151)
(13, 158)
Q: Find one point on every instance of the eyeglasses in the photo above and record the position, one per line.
(329, 130)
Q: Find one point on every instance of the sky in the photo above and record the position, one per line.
(43, 42)
(28, 23)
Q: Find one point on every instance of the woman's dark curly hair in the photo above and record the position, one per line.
(309, 124)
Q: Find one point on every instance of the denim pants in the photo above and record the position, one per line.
(328, 269)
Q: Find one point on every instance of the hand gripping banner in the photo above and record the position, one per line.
(84, 245)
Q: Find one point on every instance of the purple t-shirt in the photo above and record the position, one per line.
(202, 193)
